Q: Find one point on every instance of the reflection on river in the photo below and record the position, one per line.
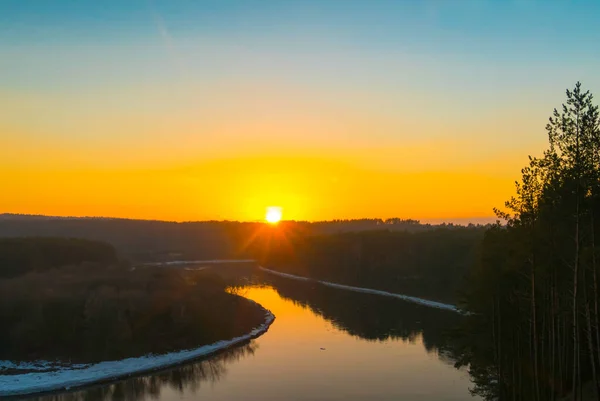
(324, 344)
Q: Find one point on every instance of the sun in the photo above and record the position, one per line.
(273, 215)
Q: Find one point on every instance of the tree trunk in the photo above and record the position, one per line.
(591, 348)
(534, 340)
(561, 354)
(499, 337)
(576, 269)
(552, 343)
(595, 299)
(578, 176)
(513, 382)
(574, 325)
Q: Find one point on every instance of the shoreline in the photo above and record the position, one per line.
(84, 375)
(101, 372)
(191, 262)
(408, 298)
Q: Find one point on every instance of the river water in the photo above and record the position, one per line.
(325, 344)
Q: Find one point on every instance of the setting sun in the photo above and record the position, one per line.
(273, 214)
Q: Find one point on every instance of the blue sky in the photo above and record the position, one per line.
(481, 24)
(526, 41)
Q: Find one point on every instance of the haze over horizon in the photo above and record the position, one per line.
(467, 221)
(215, 110)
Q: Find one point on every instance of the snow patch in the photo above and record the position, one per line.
(80, 375)
(188, 262)
(38, 365)
(408, 298)
(421, 301)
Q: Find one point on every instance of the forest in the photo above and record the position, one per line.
(398, 255)
(86, 305)
(152, 240)
(533, 332)
(430, 263)
(22, 255)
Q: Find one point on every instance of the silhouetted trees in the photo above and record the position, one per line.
(92, 312)
(430, 263)
(534, 327)
(146, 240)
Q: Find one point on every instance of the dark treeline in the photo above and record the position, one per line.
(21, 255)
(354, 225)
(92, 311)
(430, 263)
(136, 240)
(146, 240)
(394, 254)
(535, 329)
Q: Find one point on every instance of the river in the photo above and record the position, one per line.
(325, 344)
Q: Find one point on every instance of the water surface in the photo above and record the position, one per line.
(325, 344)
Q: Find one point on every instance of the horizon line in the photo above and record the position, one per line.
(428, 221)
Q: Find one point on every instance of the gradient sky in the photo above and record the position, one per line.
(193, 110)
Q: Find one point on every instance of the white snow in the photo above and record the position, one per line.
(38, 365)
(287, 275)
(421, 301)
(188, 262)
(79, 375)
(408, 298)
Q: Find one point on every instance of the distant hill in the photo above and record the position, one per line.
(136, 239)
(153, 240)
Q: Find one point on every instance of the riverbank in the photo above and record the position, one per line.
(65, 378)
(408, 298)
(93, 322)
(92, 313)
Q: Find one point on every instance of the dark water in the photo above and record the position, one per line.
(325, 344)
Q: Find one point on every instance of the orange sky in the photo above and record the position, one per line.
(156, 153)
(241, 188)
(183, 111)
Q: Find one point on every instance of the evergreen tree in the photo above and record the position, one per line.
(535, 288)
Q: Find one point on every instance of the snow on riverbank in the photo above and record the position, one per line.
(190, 262)
(80, 375)
(421, 301)
(408, 298)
